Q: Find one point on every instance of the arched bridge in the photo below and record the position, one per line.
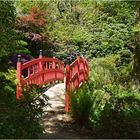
(44, 70)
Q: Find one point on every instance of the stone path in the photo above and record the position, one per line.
(56, 96)
(56, 123)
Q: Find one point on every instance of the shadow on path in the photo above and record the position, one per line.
(56, 123)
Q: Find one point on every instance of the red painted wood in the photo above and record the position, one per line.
(48, 70)
(76, 74)
(67, 88)
(19, 80)
(39, 71)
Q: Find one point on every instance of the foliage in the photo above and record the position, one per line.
(18, 118)
(32, 25)
(9, 38)
(34, 20)
(20, 45)
(22, 7)
(14, 57)
(7, 23)
(81, 102)
(110, 70)
(7, 33)
(111, 112)
(104, 71)
(116, 114)
(94, 28)
(90, 27)
(110, 107)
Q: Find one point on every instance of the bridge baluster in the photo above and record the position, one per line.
(40, 54)
(62, 68)
(67, 88)
(84, 67)
(46, 70)
(40, 70)
(19, 78)
(28, 71)
(53, 75)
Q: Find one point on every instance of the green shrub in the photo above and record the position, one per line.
(111, 112)
(81, 103)
(104, 71)
(100, 98)
(7, 24)
(119, 116)
(18, 118)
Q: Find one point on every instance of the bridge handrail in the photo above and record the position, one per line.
(76, 74)
(39, 71)
(43, 70)
(37, 60)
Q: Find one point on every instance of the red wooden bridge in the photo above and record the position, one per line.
(44, 70)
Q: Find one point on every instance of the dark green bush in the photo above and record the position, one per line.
(119, 117)
(104, 71)
(111, 112)
(81, 102)
(18, 118)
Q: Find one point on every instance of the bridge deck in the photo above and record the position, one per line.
(56, 96)
(56, 123)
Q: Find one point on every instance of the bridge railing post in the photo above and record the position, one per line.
(67, 88)
(40, 54)
(86, 69)
(53, 67)
(78, 65)
(62, 68)
(19, 78)
(40, 67)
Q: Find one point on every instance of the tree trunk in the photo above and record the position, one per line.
(135, 54)
(135, 79)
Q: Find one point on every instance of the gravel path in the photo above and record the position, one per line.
(56, 123)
